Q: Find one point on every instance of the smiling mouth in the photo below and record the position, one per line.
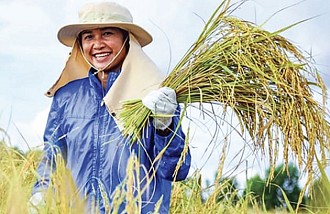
(101, 55)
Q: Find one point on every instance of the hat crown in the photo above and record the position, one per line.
(105, 12)
(100, 15)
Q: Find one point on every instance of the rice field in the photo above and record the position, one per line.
(17, 176)
(262, 77)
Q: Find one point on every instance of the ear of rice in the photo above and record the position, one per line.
(265, 79)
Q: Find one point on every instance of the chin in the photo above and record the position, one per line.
(99, 67)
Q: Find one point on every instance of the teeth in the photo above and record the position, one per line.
(102, 54)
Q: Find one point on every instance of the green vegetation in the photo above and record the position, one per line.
(271, 193)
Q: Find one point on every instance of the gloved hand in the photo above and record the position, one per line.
(36, 201)
(162, 103)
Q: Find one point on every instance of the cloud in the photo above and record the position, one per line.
(208, 134)
(23, 28)
(29, 134)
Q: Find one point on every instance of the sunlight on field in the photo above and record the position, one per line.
(17, 173)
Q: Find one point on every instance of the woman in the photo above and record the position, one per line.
(107, 65)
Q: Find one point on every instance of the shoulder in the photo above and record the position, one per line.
(71, 88)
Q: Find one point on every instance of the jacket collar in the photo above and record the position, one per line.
(96, 84)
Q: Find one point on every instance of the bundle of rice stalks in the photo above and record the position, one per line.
(265, 79)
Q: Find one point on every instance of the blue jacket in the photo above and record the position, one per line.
(82, 130)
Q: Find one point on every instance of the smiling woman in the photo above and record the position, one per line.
(107, 64)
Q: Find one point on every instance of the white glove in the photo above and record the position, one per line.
(162, 103)
(36, 200)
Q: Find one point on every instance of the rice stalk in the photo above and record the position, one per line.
(263, 77)
(16, 178)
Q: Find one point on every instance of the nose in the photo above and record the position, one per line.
(98, 43)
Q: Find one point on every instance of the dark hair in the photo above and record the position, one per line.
(125, 35)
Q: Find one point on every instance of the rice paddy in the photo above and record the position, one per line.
(266, 80)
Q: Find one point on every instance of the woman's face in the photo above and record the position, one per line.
(101, 45)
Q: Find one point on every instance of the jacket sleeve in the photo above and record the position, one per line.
(53, 138)
(172, 151)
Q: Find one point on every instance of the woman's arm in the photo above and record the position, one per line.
(172, 152)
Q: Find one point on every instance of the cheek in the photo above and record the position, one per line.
(115, 44)
(85, 49)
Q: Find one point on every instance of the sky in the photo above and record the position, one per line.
(31, 58)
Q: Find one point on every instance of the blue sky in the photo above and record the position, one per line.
(31, 58)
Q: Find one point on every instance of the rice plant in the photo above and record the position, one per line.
(17, 173)
(16, 179)
(260, 75)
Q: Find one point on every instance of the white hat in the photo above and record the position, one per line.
(99, 15)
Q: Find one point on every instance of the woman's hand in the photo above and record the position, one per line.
(162, 103)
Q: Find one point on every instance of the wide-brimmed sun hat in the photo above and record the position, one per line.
(99, 15)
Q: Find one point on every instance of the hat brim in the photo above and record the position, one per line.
(68, 34)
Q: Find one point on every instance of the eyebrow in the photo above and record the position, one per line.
(102, 29)
(85, 32)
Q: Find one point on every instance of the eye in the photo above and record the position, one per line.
(107, 33)
(87, 36)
